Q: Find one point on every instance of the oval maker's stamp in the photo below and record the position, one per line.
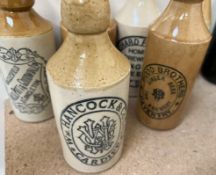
(162, 91)
(93, 129)
(133, 47)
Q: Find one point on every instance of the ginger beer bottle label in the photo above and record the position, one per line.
(91, 123)
(22, 62)
(133, 48)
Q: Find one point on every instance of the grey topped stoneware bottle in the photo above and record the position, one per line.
(89, 83)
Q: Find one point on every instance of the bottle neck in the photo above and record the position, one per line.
(187, 10)
(16, 5)
(88, 42)
(182, 21)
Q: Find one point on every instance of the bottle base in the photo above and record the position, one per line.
(33, 121)
(158, 128)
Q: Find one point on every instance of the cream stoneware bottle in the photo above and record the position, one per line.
(133, 22)
(89, 84)
(176, 48)
(26, 43)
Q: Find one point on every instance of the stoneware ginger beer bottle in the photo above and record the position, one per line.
(133, 22)
(175, 51)
(89, 84)
(26, 42)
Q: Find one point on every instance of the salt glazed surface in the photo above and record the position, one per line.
(89, 83)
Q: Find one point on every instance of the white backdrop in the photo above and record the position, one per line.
(50, 9)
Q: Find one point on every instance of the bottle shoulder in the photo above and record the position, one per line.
(26, 23)
(182, 25)
(90, 65)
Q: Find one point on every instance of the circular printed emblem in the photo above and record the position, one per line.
(93, 129)
(25, 79)
(162, 91)
(133, 48)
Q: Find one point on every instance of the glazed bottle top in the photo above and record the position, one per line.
(16, 5)
(182, 21)
(88, 62)
(85, 16)
(17, 18)
(138, 13)
(87, 59)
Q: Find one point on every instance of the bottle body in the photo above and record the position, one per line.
(173, 59)
(90, 104)
(92, 138)
(209, 66)
(134, 21)
(23, 58)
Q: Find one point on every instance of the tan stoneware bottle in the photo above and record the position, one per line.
(112, 31)
(207, 12)
(89, 84)
(177, 45)
(26, 43)
(134, 20)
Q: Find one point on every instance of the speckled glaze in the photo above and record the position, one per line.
(175, 51)
(79, 16)
(96, 54)
(112, 31)
(23, 34)
(89, 75)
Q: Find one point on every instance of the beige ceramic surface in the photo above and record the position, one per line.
(186, 150)
(207, 12)
(89, 62)
(85, 17)
(24, 23)
(88, 81)
(112, 31)
(64, 32)
(175, 52)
